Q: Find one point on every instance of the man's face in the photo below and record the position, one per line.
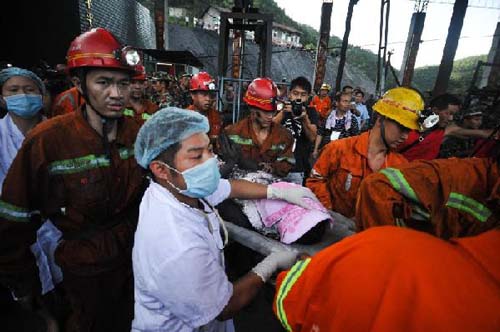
(201, 100)
(184, 83)
(298, 93)
(108, 91)
(446, 115)
(358, 98)
(158, 86)
(137, 88)
(344, 103)
(323, 93)
(194, 150)
(395, 134)
(473, 122)
(262, 119)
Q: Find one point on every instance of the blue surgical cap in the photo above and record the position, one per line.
(165, 128)
(6, 74)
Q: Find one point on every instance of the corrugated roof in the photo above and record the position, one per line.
(286, 28)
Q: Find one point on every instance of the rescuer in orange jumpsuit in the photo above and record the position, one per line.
(446, 197)
(66, 102)
(78, 170)
(262, 144)
(322, 102)
(139, 107)
(202, 87)
(393, 279)
(337, 174)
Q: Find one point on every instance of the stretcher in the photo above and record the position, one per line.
(340, 228)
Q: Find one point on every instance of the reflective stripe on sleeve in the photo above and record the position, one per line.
(287, 159)
(401, 185)
(240, 140)
(126, 153)
(280, 147)
(15, 213)
(468, 205)
(290, 279)
(128, 112)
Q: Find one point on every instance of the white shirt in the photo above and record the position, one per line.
(179, 276)
(11, 140)
(363, 114)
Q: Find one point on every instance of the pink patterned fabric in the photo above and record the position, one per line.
(292, 221)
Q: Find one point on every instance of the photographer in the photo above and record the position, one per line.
(302, 121)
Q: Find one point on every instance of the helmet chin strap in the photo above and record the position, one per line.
(382, 133)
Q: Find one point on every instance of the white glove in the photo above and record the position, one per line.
(292, 195)
(276, 261)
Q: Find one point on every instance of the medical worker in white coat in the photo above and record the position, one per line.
(179, 276)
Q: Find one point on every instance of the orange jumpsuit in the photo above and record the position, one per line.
(142, 115)
(276, 149)
(338, 172)
(66, 102)
(322, 105)
(63, 173)
(214, 120)
(446, 197)
(391, 279)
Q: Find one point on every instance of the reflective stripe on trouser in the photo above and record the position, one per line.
(468, 205)
(401, 185)
(291, 278)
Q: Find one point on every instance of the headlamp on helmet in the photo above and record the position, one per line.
(130, 56)
(210, 85)
(427, 119)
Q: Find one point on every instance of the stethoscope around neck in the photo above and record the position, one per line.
(221, 223)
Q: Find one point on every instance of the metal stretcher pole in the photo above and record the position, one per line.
(339, 229)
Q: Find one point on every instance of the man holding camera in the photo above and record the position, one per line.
(302, 121)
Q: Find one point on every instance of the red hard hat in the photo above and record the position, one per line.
(140, 73)
(99, 48)
(262, 93)
(202, 81)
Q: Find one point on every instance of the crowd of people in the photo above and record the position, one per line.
(116, 186)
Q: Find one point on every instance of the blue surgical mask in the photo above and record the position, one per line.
(25, 106)
(201, 180)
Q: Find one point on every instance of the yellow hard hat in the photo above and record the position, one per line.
(402, 105)
(325, 86)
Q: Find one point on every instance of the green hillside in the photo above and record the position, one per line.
(461, 76)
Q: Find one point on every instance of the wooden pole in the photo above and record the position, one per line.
(345, 41)
(321, 53)
(450, 48)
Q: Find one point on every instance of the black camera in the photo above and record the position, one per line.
(297, 107)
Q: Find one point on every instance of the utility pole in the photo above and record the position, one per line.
(382, 46)
(450, 48)
(324, 36)
(159, 10)
(413, 42)
(491, 74)
(345, 41)
(165, 31)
